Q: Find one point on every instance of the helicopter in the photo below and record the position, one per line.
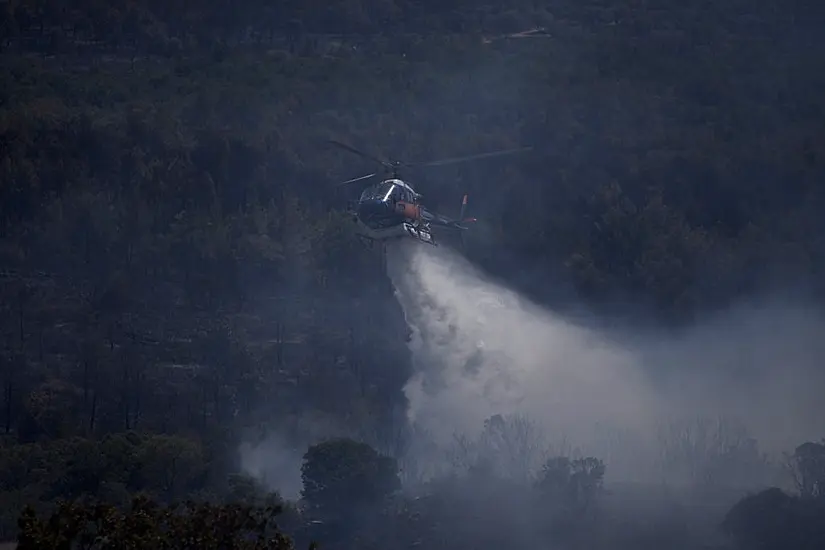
(391, 208)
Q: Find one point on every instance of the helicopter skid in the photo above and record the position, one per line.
(419, 232)
(401, 231)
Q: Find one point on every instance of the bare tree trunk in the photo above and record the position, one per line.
(9, 393)
(93, 413)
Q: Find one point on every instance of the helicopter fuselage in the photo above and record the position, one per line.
(386, 204)
(389, 210)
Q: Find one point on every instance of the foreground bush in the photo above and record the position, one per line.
(147, 525)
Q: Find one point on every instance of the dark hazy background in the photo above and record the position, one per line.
(186, 311)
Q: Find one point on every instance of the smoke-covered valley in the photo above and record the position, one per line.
(184, 303)
(716, 403)
(654, 406)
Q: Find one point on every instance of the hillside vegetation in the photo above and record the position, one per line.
(178, 273)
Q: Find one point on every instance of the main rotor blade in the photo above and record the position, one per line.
(353, 180)
(469, 157)
(359, 153)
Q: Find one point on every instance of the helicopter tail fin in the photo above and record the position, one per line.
(463, 211)
(463, 220)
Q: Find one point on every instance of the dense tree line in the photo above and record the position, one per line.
(351, 499)
(178, 273)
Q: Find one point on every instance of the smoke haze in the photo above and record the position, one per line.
(480, 349)
(653, 405)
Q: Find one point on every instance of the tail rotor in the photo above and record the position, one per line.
(464, 220)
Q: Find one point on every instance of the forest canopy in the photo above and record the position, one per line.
(177, 271)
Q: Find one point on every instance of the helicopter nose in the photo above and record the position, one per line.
(373, 209)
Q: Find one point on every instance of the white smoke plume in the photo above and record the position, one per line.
(480, 349)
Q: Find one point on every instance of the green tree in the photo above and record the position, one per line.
(343, 477)
(774, 520)
(148, 525)
(568, 489)
(807, 465)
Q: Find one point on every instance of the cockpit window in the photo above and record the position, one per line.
(377, 191)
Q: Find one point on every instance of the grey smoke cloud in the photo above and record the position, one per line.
(480, 349)
(275, 463)
(628, 395)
